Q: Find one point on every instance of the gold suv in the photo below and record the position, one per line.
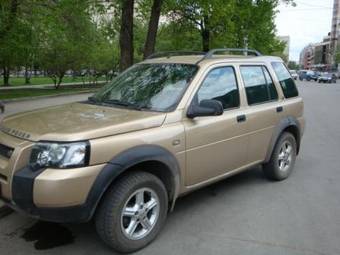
(165, 127)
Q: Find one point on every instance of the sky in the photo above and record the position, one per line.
(306, 23)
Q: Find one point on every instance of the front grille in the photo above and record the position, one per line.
(6, 151)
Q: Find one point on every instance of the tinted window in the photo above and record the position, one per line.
(220, 84)
(258, 84)
(287, 84)
(272, 90)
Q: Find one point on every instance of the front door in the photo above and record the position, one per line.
(216, 144)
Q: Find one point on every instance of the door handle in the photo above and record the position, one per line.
(241, 118)
(279, 109)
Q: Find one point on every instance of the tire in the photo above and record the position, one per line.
(112, 226)
(277, 169)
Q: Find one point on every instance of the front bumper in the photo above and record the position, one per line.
(54, 194)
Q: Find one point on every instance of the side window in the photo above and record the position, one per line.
(272, 90)
(258, 84)
(287, 84)
(220, 84)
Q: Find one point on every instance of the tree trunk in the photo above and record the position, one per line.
(54, 79)
(59, 79)
(205, 40)
(6, 76)
(205, 33)
(150, 42)
(126, 35)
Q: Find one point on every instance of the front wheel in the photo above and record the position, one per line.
(283, 158)
(132, 212)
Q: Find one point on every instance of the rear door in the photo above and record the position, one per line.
(263, 109)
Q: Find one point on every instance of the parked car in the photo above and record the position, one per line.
(308, 75)
(165, 127)
(327, 78)
(294, 74)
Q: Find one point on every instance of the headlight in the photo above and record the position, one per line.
(60, 155)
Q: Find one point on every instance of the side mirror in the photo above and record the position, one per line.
(205, 108)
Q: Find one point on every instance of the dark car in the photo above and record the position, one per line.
(327, 78)
(308, 75)
(2, 107)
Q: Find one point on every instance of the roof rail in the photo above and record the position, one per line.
(169, 54)
(210, 53)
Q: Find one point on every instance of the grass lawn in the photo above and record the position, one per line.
(20, 81)
(20, 93)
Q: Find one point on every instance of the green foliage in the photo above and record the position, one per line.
(201, 25)
(292, 65)
(57, 36)
(83, 35)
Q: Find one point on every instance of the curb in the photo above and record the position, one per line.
(22, 99)
(46, 86)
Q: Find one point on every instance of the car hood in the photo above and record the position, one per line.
(78, 121)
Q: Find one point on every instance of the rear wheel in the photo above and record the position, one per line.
(133, 212)
(283, 158)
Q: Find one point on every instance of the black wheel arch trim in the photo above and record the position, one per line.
(129, 158)
(284, 123)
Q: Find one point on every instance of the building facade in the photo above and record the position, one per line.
(307, 57)
(317, 56)
(335, 31)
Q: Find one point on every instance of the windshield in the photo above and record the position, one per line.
(157, 87)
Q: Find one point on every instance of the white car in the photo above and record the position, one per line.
(294, 74)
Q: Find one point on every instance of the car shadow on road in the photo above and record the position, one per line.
(42, 235)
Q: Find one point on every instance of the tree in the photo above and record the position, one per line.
(103, 59)
(207, 17)
(8, 43)
(68, 38)
(126, 34)
(292, 65)
(150, 42)
(232, 24)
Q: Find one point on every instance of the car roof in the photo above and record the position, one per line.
(200, 60)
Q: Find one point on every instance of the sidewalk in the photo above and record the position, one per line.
(44, 86)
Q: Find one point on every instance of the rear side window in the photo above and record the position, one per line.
(258, 84)
(287, 84)
(220, 84)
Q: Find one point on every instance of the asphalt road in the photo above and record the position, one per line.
(245, 214)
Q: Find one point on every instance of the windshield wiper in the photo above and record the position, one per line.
(125, 104)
